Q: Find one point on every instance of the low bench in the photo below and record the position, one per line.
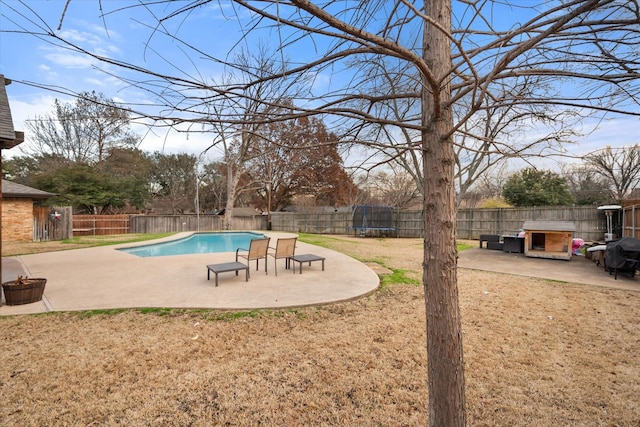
(226, 267)
(493, 241)
(306, 258)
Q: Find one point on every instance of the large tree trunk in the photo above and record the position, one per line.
(444, 335)
(232, 184)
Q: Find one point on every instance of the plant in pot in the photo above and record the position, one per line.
(23, 290)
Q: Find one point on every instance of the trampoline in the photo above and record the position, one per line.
(374, 220)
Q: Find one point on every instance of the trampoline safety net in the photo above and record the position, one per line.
(373, 218)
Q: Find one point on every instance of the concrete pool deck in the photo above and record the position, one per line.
(105, 278)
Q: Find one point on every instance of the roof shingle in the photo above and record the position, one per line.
(8, 136)
(11, 189)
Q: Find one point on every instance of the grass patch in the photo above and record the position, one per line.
(331, 242)
(353, 248)
(464, 246)
(398, 277)
(319, 240)
(160, 311)
(234, 315)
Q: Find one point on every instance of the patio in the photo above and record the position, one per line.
(105, 278)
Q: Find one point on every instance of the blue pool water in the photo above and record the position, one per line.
(198, 243)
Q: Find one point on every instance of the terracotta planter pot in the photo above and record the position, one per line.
(30, 290)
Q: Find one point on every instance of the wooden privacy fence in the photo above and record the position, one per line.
(316, 223)
(175, 223)
(407, 223)
(471, 223)
(100, 225)
(590, 223)
(631, 221)
(52, 223)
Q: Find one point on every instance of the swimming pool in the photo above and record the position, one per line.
(197, 243)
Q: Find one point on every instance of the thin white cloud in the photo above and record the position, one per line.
(112, 49)
(94, 38)
(68, 59)
(170, 141)
(618, 132)
(102, 34)
(95, 82)
(81, 37)
(47, 72)
(108, 82)
(23, 110)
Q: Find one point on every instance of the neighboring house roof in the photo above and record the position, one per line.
(8, 136)
(11, 189)
(549, 226)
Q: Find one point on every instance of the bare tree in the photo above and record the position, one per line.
(81, 132)
(619, 167)
(487, 188)
(497, 131)
(393, 188)
(586, 185)
(586, 50)
(500, 131)
(213, 183)
(238, 119)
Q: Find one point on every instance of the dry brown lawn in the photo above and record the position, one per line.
(537, 353)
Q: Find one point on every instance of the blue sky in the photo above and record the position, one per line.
(111, 36)
(123, 36)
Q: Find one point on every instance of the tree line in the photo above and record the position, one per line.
(86, 154)
(605, 176)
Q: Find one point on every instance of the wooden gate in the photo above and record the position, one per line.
(52, 223)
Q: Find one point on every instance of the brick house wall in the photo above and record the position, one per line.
(17, 219)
